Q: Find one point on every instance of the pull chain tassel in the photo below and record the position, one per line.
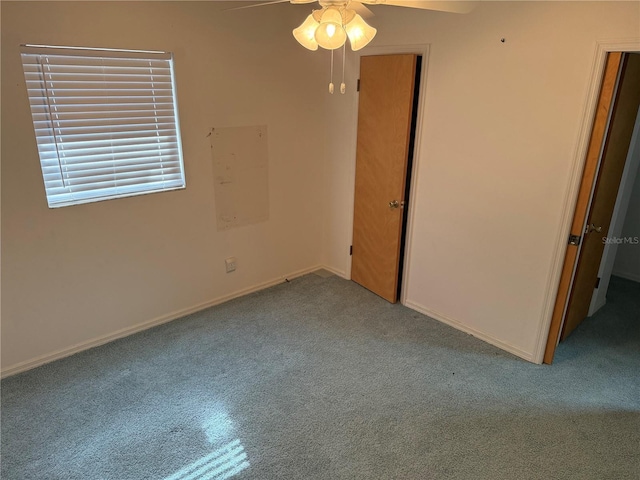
(331, 79)
(343, 86)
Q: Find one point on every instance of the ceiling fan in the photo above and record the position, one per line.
(338, 20)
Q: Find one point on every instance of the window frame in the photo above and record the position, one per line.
(132, 158)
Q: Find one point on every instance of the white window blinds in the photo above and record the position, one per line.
(106, 122)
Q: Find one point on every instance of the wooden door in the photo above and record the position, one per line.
(606, 190)
(387, 84)
(598, 133)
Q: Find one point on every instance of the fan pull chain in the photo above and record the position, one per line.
(331, 80)
(343, 86)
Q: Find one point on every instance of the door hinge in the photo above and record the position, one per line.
(575, 240)
(351, 250)
(358, 86)
(597, 282)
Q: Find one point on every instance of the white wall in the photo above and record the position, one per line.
(627, 262)
(85, 273)
(497, 151)
(497, 144)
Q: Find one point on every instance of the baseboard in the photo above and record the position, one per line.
(339, 273)
(66, 352)
(597, 306)
(464, 328)
(629, 276)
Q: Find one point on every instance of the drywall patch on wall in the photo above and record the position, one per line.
(241, 175)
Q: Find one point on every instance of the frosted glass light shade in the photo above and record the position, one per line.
(305, 33)
(330, 34)
(360, 32)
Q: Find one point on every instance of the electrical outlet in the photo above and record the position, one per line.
(230, 263)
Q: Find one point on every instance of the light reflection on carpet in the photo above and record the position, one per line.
(219, 465)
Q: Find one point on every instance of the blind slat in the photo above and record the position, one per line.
(118, 150)
(168, 162)
(96, 137)
(103, 181)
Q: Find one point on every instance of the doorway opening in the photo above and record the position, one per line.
(409, 176)
(605, 165)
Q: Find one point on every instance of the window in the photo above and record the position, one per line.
(106, 122)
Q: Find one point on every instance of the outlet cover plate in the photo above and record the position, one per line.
(230, 264)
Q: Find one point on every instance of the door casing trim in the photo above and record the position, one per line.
(423, 51)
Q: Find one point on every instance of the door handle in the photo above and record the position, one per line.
(394, 204)
(593, 228)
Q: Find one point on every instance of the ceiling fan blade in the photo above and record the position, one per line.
(361, 10)
(272, 2)
(452, 6)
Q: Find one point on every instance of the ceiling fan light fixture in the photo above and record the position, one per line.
(347, 15)
(305, 33)
(360, 32)
(330, 33)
